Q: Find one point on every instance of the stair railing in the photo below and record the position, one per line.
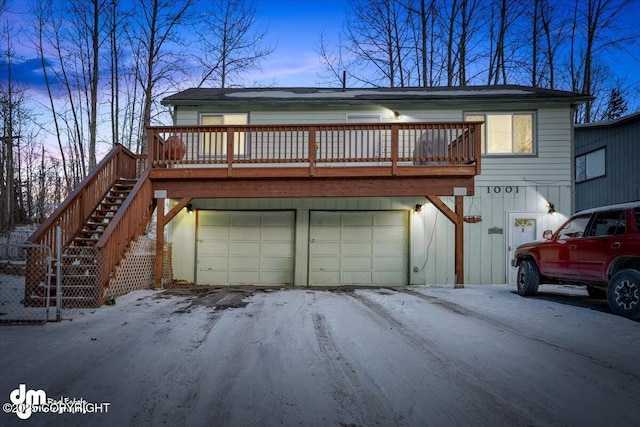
(72, 214)
(127, 224)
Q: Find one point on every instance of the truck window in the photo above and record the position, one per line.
(574, 228)
(611, 223)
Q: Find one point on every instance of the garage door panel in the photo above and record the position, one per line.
(282, 248)
(388, 278)
(388, 263)
(213, 248)
(356, 278)
(326, 220)
(245, 247)
(245, 233)
(244, 277)
(326, 263)
(324, 234)
(277, 234)
(356, 233)
(358, 248)
(211, 218)
(322, 248)
(350, 263)
(358, 219)
(214, 233)
(388, 248)
(213, 262)
(349, 248)
(276, 219)
(388, 233)
(246, 219)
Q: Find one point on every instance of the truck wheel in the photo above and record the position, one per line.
(623, 293)
(528, 278)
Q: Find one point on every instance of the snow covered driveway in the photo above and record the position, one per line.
(479, 356)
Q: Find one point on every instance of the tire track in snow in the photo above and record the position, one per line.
(464, 376)
(458, 309)
(358, 404)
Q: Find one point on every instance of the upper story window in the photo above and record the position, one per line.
(591, 165)
(506, 133)
(214, 144)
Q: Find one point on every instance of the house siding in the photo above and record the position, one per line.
(507, 183)
(622, 180)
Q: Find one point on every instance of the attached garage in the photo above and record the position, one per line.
(358, 248)
(245, 247)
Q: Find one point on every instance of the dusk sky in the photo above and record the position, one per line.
(294, 29)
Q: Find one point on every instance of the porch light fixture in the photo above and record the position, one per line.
(552, 208)
(189, 208)
(396, 114)
(418, 208)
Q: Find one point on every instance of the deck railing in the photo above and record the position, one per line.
(325, 145)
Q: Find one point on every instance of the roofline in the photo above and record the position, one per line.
(359, 96)
(626, 205)
(616, 122)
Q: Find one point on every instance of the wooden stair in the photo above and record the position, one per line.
(80, 267)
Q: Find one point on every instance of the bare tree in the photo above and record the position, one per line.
(11, 103)
(152, 34)
(231, 43)
(596, 31)
(377, 34)
(503, 46)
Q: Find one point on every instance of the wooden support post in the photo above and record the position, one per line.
(457, 218)
(159, 242)
(459, 245)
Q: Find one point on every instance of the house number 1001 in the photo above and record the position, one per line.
(497, 190)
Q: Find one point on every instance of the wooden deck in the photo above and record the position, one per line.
(386, 159)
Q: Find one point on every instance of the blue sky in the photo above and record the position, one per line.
(294, 30)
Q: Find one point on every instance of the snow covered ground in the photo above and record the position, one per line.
(479, 356)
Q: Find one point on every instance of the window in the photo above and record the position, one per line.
(215, 143)
(610, 223)
(591, 165)
(575, 228)
(506, 133)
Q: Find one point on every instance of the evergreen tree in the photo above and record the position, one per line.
(616, 107)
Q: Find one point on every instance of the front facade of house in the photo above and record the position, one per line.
(527, 147)
(607, 160)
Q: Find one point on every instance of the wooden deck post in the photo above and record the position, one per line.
(457, 218)
(459, 242)
(159, 242)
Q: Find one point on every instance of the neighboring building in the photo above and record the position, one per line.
(303, 236)
(607, 162)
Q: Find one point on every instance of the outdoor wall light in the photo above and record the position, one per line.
(189, 208)
(552, 208)
(396, 114)
(418, 208)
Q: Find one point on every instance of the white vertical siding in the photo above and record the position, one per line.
(533, 180)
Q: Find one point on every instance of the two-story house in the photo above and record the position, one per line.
(349, 228)
(303, 186)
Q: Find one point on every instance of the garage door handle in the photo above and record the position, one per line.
(616, 245)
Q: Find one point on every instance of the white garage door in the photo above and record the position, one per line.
(248, 247)
(358, 248)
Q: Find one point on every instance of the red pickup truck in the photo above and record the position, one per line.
(599, 248)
